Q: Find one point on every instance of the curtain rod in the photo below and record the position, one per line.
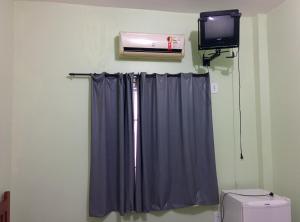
(80, 74)
(135, 74)
(90, 74)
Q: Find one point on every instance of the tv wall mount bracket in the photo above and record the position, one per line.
(211, 56)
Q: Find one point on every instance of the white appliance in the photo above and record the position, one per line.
(144, 45)
(243, 208)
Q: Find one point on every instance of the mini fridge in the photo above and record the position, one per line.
(253, 206)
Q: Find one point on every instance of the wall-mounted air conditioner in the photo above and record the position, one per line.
(143, 45)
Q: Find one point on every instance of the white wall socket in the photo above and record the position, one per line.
(214, 87)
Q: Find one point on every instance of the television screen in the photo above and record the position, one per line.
(219, 29)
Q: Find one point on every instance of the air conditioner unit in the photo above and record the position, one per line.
(143, 45)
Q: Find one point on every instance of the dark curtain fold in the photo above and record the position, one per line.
(176, 160)
(112, 149)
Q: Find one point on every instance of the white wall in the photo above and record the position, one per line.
(51, 112)
(262, 86)
(6, 35)
(284, 54)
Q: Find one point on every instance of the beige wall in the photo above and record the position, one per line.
(284, 54)
(6, 35)
(50, 161)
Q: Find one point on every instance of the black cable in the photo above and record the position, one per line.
(207, 69)
(240, 109)
(271, 194)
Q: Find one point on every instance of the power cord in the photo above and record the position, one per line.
(271, 194)
(240, 109)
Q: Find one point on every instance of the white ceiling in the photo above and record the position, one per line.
(247, 7)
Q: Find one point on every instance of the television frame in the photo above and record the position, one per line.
(231, 42)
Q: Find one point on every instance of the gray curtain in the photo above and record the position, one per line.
(112, 150)
(176, 160)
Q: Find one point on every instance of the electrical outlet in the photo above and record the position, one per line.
(214, 87)
(217, 216)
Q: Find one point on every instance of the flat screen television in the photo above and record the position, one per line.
(219, 29)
